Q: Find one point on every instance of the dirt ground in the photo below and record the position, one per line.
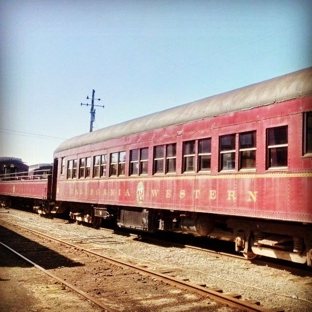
(27, 289)
(24, 288)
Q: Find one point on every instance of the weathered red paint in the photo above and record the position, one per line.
(36, 189)
(280, 194)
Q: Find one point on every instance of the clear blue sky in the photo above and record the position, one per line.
(139, 56)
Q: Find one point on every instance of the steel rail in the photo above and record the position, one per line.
(202, 290)
(72, 287)
(209, 251)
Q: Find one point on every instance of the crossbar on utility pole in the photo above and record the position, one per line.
(92, 110)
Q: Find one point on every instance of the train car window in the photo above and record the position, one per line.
(103, 165)
(75, 163)
(247, 150)
(144, 160)
(84, 167)
(117, 164)
(308, 133)
(82, 164)
(159, 157)
(134, 162)
(122, 163)
(189, 156)
(204, 154)
(139, 161)
(227, 152)
(88, 167)
(165, 157)
(70, 169)
(113, 164)
(96, 166)
(171, 158)
(63, 165)
(277, 147)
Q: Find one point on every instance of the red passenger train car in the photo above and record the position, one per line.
(235, 166)
(27, 185)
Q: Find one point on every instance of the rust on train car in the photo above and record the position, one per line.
(236, 165)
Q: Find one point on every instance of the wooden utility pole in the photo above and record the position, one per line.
(92, 110)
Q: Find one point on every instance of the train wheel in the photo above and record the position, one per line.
(249, 255)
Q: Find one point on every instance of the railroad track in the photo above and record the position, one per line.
(155, 284)
(294, 268)
(259, 279)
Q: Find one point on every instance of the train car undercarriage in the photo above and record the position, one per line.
(252, 238)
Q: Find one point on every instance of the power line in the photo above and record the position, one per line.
(23, 133)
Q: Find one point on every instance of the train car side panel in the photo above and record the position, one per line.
(29, 189)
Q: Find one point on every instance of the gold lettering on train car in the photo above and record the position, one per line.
(76, 192)
(97, 192)
(168, 193)
(119, 192)
(182, 193)
(155, 193)
(140, 192)
(213, 194)
(231, 195)
(252, 196)
(91, 191)
(196, 193)
(127, 193)
(112, 192)
(105, 192)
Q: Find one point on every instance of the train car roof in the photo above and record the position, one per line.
(39, 166)
(12, 160)
(282, 88)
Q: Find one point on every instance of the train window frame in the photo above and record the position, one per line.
(307, 133)
(203, 155)
(103, 168)
(63, 164)
(75, 170)
(159, 159)
(72, 169)
(247, 151)
(99, 166)
(96, 166)
(134, 162)
(117, 166)
(165, 159)
(171, 158)
(280, 149)
(139, 161)
(189, 156)
(84, 167)
(82, 164)
(227, 154)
